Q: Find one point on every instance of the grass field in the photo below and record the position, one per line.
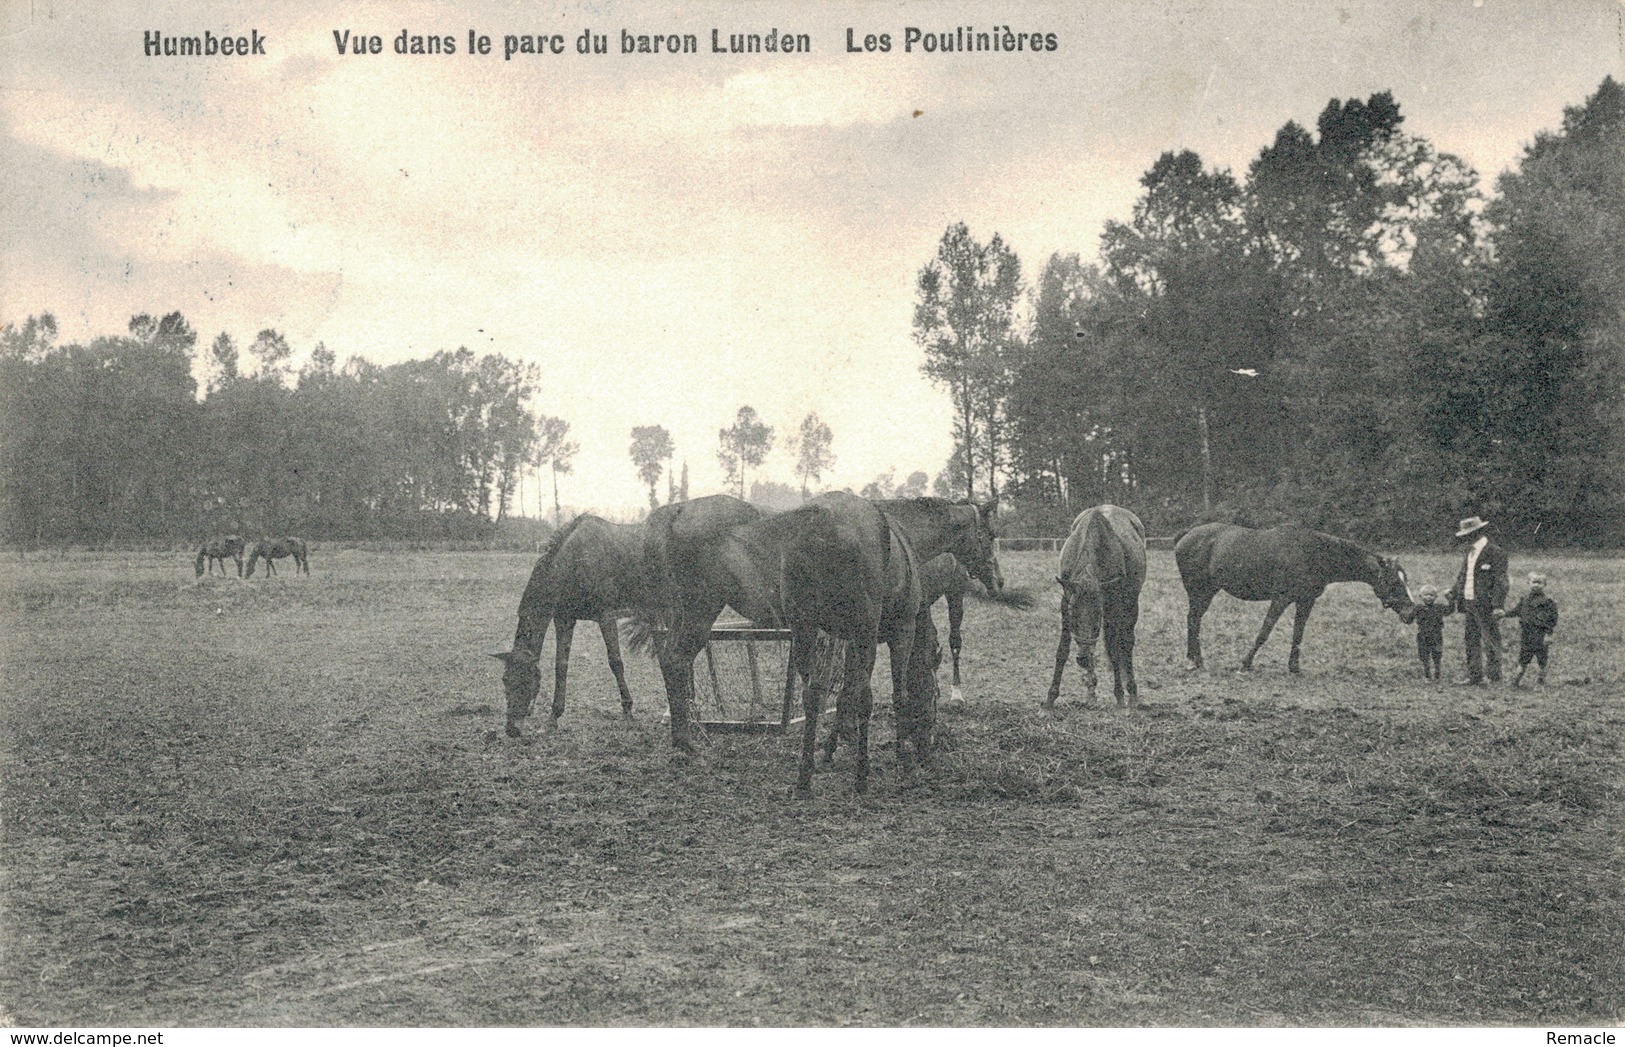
(285, 802)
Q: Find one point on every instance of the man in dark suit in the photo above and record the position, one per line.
(1480, 591)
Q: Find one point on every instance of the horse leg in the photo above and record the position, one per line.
(842, 723)
(1125, 657)
(1277, 606)
(677, 654)
(1113, 642)
(1061, 651)
(1200, 600)
(906, 707)
(1300, 620)
(564, 629)
(803, 651)
(612, 647)
(860, 660)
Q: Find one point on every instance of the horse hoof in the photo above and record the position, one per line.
(1192, 667)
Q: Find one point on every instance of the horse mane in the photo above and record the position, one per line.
(544, 560)
(550, 548)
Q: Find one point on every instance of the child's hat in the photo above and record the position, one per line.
(1428, 592)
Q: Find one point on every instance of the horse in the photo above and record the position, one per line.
(840, 564)
(588, 569)
(219, 548)
(1284, 565)
(272, 549)
(943, 576)
(1102, 572)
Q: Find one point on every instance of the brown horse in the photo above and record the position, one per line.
(273, 549)
(839, 564)
(1284, 565)
(588, 570)
(218, 549)
(1102, 572)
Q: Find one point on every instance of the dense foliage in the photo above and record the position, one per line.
(1351, 338)
(110, 440)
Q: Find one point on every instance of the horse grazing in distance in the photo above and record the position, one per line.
(588, 570)
(273, 549)
(1102, 572)
(218, 549)
(1284, 565)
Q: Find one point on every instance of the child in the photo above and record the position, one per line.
(1537, 618)
(1429, 614)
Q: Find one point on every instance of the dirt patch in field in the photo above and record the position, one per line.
(282, 804)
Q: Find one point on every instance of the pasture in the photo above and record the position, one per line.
(288, 802)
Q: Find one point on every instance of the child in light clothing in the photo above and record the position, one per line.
(1429, 614)
(1537, 617)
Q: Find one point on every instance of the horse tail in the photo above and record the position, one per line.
(640, 633)
(202, 551)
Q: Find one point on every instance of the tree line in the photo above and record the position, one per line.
(111, 440)
(1351, 336)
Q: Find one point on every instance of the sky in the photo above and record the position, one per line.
(672, 236)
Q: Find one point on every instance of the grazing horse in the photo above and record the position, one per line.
(273, 549)
(217, 550)
(588, 570)
(1284, 565)
(839, 564)
(1102, 572)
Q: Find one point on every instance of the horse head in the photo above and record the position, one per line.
(981, 557)
(1392, 587)
(1081, 606)
(522, 679)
